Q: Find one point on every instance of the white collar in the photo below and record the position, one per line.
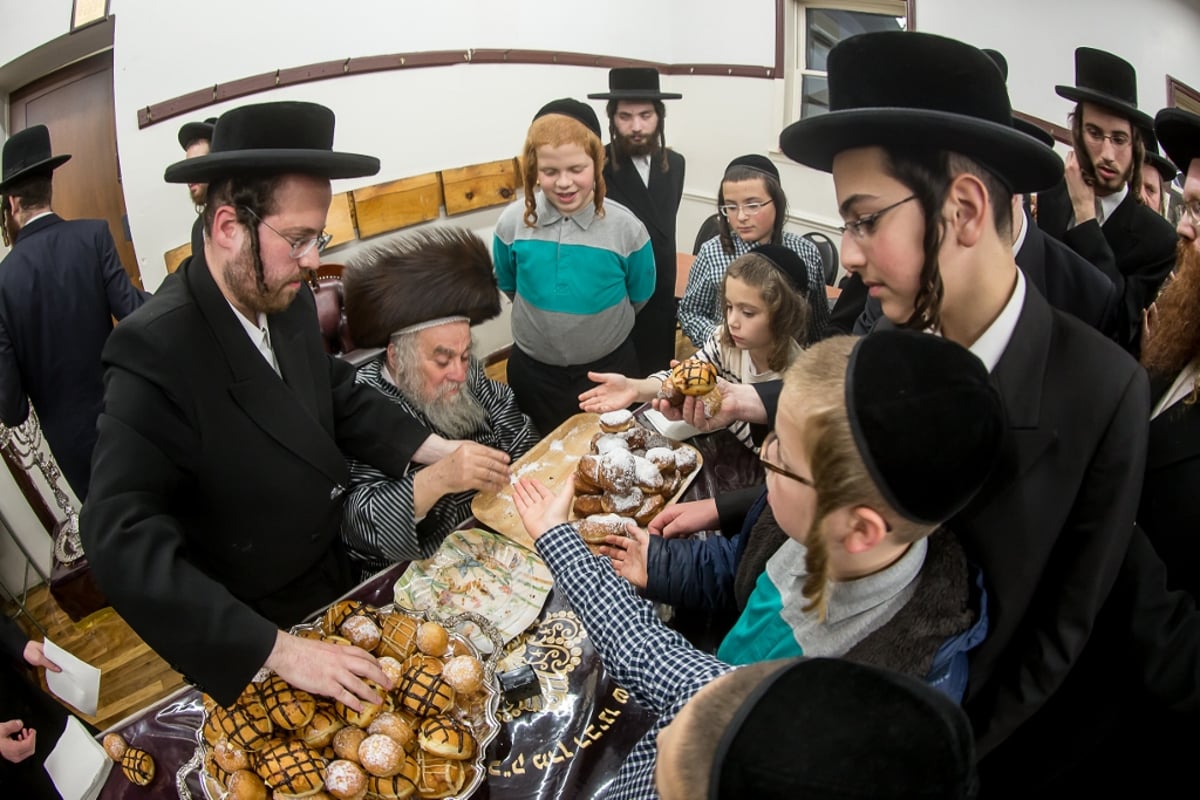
(1020, 241)
(45, 213)
(991, 344)
(1109, 204)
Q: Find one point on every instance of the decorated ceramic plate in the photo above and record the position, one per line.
(483, 573)
(271, 755)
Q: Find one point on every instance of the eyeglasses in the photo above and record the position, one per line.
(864, 226)
(769, 443)
(749, 209)
(1120, 139)
(301, 247)
(1191, 210)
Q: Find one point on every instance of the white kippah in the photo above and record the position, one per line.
(433, 323)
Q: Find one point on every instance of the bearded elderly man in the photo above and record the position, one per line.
(419, 296)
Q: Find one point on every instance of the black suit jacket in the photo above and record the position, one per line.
(217, 486)
(60, 287)
(1135, 249)
(1051, 526)
(1170, 508)
(656, 206)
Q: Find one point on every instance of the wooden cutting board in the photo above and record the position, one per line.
(550, 461)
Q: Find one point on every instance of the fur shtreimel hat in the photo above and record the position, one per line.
(436, 274)
(273, 139)
(1107, 81)
(1179, 133)
(831, 729)
(906, 90)
(926, 420)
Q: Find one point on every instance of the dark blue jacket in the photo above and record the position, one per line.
(60, 288)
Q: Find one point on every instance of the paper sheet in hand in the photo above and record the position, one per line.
(77, 684)
(78, 764)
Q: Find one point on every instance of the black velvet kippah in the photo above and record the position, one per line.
(926, 420)
(755, 162)
(570, 107)
(823, 728)
(787, 261)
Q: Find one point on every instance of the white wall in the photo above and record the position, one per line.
(421, 120)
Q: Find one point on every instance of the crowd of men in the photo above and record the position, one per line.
(235, 478)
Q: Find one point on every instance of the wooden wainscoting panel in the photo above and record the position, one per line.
(340, 222)
(397, 204)
(480, 185)
(176, 256)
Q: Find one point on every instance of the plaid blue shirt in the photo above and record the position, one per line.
(654, 663)
(698, 312)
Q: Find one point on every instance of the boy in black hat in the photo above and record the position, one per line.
(221, 461)
(925, 162)
(873, 481)
(60, 288)
(1100, 215)
(646, 177)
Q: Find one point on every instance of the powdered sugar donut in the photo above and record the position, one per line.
(615, 421)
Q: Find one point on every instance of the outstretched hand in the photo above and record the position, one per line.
(611, 392)
(739, 401)
(629, 554)
(684, 519)
(540, 508)
(332, 670)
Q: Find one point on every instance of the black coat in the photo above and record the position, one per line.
(656, 206)
(1170, 508)
(60, 288)
(1135, 249)
(21, 698)
(217, 486)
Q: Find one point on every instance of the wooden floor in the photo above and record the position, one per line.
(132, 675)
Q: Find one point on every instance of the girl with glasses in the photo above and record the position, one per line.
(752, 210)
(766, 317)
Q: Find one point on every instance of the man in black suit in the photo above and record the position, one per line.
(1099, 214)
(60, 288)
(196, 138)
(1157, 174)
(220, 467)
(30, 721)
(641, 174)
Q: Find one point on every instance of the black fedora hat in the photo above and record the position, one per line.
(902, 89)
(1155, 159)
(273, 139)
(27, 153)
(194, 131)
(1179, 133)
(1028, 128)
(633, 83)
(1108, 81)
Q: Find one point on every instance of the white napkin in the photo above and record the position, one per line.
(78, 764)
(672, 429)
(79, 681)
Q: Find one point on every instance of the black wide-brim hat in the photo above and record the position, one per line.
(633, 83)
(27, 153)
(1155, 159)
(902, 90)
(273, 139)
(1027, 128)
(1178, 132)
(194, 131)
(1108, 81)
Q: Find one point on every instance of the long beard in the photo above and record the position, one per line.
(648, 147)
(456, 416)
(1175, 338)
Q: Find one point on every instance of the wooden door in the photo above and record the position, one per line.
(76, 104)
